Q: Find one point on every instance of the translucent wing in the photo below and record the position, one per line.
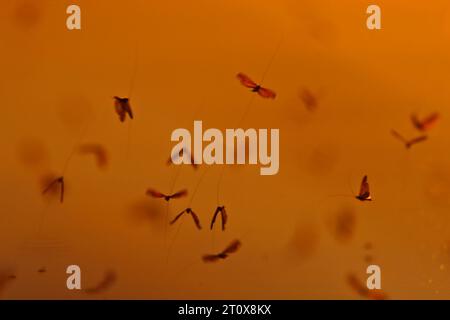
(224, 218)
(119, 110)
(266, 93)
(398, 136)
(196, 220)
(177, 217)
(425, 124)
(210, 258)
(179, 194)
(155, 194)
(232, 247)
(246, 81)
(214, 217)
(416, 140)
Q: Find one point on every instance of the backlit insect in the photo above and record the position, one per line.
(308, 99)
(193, 215)
(249, 83)
(408, 143)
(364, 192)
(157, 194)
(60, 181)
(426, 123)
(223, 214)
(122, 106)
(232, 248)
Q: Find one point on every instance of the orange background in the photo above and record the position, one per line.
(178, 59)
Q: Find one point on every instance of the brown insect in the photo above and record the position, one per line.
(108, 280)
(364, 192)
(60, 181)
(249, 83)
(408, 143)
(98, 151)
(157, 194)
(426, 123)
(223, 214)
(176, 156)
(123, 108)
(308, 99)
(232, 248)
(362, 290)
(193, 215)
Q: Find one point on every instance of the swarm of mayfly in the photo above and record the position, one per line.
(408, 143)
(223, 215)
(426, 123)
(192, 214)
(54, 185)
(96, 150)
(123, 108)
(249, 83)
(157, 194)
(232, 248)
(108, 280)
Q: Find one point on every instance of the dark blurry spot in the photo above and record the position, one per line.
(361, 289)
(98, 151)
(342, 224)
(6, 277)
(27, 13)
(305, 241)
(309, 99)
(323, 160)
(149, 211)
(74, 111)
(105, 284)
(42, 270)
(32, 153)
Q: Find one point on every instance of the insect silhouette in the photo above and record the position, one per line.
(108, 280)
(232, 248)
(60, 181)
(249, 83)
(426, 123)
(364, 192)
(408, 143)
(42, 270)
(193, 215)
(176, 156)
(123, 107)
(223, 215)
(157, 194)
(98, 151)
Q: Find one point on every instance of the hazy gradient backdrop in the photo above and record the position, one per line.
(179, 61)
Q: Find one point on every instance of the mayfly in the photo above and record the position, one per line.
(193, 215)
(408, 143)
(123, 108)
(232, 248)
(60, 181)
(426, 123)
(223, 215)
(364, 192)
(157, 194)
(249, 83)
